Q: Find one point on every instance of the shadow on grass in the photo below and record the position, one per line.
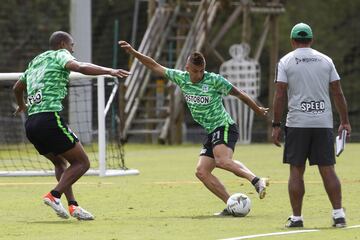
(52, 222)
(200, 217)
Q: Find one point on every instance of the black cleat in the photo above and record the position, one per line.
(339, 222)
(294, 224)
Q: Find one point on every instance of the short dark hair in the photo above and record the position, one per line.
(57, 37)
(302, 40)
(197, 59)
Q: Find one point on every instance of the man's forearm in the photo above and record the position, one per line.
(278, 106)
(92, 69)
(243, 96)
(341, 107)
(146, 60)
(250, 102)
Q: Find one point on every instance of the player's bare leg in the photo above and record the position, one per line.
(333, 189)
(223, 158)
(60, 164)
(79, 164)
(332, 185)
(203, 172)
(296, 188)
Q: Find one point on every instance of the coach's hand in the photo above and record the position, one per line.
(276, 133)
(347, 127)
(126, 46)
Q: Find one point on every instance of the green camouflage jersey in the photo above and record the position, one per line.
(46, 80)
(204, 98)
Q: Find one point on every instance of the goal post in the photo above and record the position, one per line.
(19, 158)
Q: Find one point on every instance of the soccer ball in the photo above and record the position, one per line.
(239, 205)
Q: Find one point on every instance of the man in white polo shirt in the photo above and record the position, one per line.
(307, 78)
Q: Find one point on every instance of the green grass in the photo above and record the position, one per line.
(166, 201)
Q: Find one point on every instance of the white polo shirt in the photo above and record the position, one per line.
(308, 74)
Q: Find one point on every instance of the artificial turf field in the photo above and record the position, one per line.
(166, 201)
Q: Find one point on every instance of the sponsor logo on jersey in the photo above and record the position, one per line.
(313, 106)
(36, 98)
(307, 60)
(197, 99)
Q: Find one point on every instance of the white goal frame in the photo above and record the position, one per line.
(102, 111)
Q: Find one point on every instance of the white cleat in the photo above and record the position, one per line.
(56, 205)
(79, 213)
(260, 187)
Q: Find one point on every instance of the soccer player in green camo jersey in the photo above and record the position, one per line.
(46, 83)
(203, 92)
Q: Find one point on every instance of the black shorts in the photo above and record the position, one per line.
(49, 134)
(227, 135)
(315, 144)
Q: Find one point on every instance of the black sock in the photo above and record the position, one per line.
(73, 203)
(255, 180)
(55, 194)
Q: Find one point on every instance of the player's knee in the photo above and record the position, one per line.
(201, 174)
(86, 164)
(223, 163)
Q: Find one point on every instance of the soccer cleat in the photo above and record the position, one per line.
(223, 213)
(79, 213)
(260, 187)
(55, 204)
(294, 224)
(339, 222)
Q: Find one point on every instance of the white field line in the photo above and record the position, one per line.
(271, 234)
(355, 226)
(50, 183)
(282, 233)
(235, 181)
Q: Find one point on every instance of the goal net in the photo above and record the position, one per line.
(92, 111)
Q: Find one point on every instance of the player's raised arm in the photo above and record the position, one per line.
(92, 69)
(146, 60)
(261, 111)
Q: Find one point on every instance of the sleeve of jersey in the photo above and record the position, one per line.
(174, 75)
(280, 74)
(63, 56)
(223, 86)
(333, 74)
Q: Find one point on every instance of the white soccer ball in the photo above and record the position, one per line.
(239, 205)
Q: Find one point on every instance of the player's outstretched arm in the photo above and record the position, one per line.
(261, 111)
(92, 69)
(19, 88)
(146, 60)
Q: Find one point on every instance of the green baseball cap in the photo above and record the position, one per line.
(301, 30)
